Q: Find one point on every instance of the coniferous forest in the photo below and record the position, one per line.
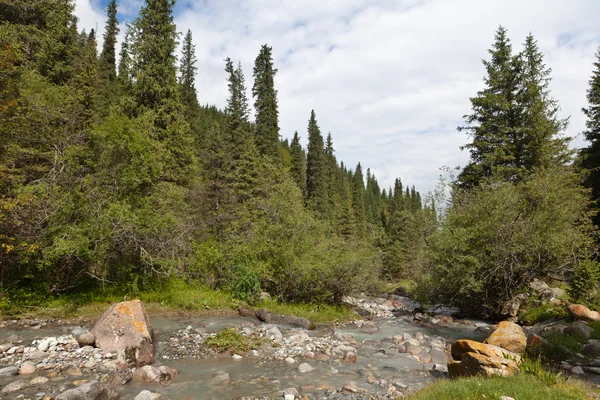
(114, 174)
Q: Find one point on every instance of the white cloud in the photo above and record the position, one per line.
(389, 79)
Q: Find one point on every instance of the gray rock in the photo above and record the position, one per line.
(593, 370)
(15, 386)
(578, 328)
(220, 376)
(274, 334)
(38, 381)
(591, 349)
(438, 356)
(144, 395)
(28, 367)
(149, 373)
(90, 391)
(577, 370)
(305, 367)
(291, 391)
(9, 371)
(86, 339)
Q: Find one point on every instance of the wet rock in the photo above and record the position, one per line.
(38, 381)
(125, 328)
(15, 386)
(370, 328)
(322, 357)
(579, 329)
(290, 360)
(90, 391)
(350, 388)
(27, 368)
(579, 311)
(272, 318)
(305, 367)
(291, 392)
(9, 371)
(148, 373)
(144, 395)
(349, 358)
(237, 357)
(438, 356)
(509, 336)
(120, 378)
(274, 334)
(220, 376)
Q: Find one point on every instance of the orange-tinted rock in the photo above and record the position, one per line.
(125, 328)
(509, 336)
(470, 346)
(579, 311)
(535, 341)
(478, 364)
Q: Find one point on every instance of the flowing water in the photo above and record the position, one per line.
(257, 377)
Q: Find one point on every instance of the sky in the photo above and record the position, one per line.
(390, 80)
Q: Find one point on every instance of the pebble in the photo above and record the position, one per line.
(237, 357)
(305, 367)
(290, 360)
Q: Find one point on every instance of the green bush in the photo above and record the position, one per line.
(584, 284)
(246, 286)
(233, 341)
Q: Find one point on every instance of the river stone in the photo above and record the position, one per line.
(90, 391)
(39, 380)
(350, 388)
(220, 376)
(508, 335)
(349, 358)
(144, 395)
(290, 360)
(86, 339)
(148, 373)
(438, 356)
(470, 346)
(9, 371)
(578, 329)
(125, 328)
(305, 367)
(291, 392)
(27, 368)
(579, 311)
(577, 370)
(15, 386)
(236, 357)
(274, 334)
(473, 364)
(36, 355)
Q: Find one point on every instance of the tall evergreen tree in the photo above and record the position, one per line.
(540, 145)
(358, 197)
(108, 58)
(265, 103)
(124, 72)
(316, 186)
(590, 155)
(494, 122)
(236, 111)
(187, 73)
(298, 159)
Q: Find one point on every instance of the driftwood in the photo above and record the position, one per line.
(272, 318)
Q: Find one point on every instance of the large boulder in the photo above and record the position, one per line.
(579, 311)
(546, 292)
(474, 358)
(509, 336)
(579, 329)
(510, 308)
(90, 391)
(125, 328)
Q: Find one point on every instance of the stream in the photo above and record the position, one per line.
(384, 359)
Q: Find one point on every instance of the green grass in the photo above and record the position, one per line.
(522, 386)
(163, 298)
(543, 312)
(233, 341)
(313, 312)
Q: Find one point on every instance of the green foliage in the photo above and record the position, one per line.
(233, 341)
(584, 283)
(560, 347)
(265, 104)
(495, 237)
(246, 285)
(543, 312)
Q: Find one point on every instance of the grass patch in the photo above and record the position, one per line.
(233, 341)
(560, 347)
(313, 312)
(165, 297)
(543, 312)
(522, 386)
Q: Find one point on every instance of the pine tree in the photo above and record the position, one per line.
(590, 155)
(316, 186)
(265, 104)
(540, 145)
(236, 111)
(108, 60)
(331, 178)
(124, 72)
(153, 54)
(298, 159)
(358, 197)
(187, 73)
(494, 123)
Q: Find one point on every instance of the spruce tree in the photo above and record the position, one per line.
(331, 179)
(187, 72)
(316, 187)
(358, 197)
(494, 122)
(298, 159)
(540, 144)
(108, 58)
(124, 72)
(590, 155)
(236, 111)
(265, 104)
